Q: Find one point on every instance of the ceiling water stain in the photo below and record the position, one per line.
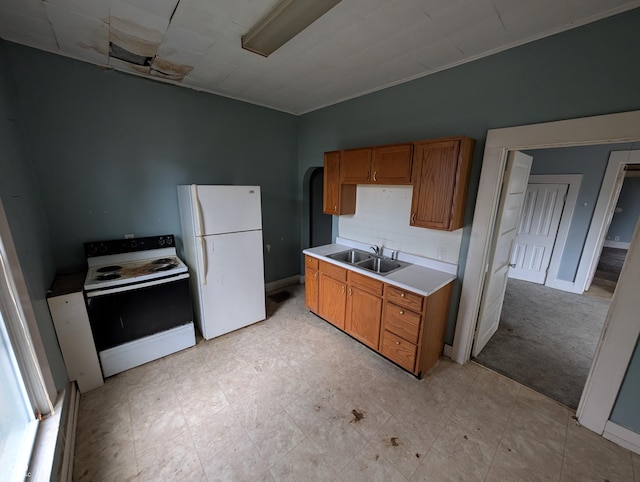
(169, 70)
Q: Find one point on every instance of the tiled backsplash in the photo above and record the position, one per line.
(382, 218)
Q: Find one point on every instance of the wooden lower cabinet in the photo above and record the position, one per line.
(405, 327)
(399, 350)
(332, 294)
(311, 281)
(364, 309)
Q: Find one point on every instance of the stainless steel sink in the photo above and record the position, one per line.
(351, 256)
(382, 265)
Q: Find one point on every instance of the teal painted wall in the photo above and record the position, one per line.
(591, 162)
(624, 222)
(625, 412)
(29, 228)
(109, 150)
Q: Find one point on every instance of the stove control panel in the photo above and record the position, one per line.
(130, 245)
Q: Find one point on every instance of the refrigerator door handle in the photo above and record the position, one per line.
(198, 209)
(203, 261)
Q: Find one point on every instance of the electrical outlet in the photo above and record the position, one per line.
(442, 253)
(616, 238)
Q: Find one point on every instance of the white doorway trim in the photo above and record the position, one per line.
(602, 214)
(621, 328)
(574, 181)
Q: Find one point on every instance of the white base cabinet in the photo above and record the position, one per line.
(71, 322)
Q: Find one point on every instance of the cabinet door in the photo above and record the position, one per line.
(392, 164)
(311, 289)
(355, 166)
(364, 312)
(436, 163)
(332, 300)
(338, 198)
(441, 171)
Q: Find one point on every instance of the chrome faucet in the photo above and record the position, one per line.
(377, 250)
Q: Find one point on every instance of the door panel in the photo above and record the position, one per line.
(227, 209)
(234, 293)
(538, 228)
(511, 203)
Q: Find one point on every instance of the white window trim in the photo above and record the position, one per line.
(22, 326)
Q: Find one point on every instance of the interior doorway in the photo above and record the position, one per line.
(615, 349)
(319, 222)
(546, 339)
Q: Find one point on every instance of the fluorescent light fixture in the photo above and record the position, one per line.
(285, 21)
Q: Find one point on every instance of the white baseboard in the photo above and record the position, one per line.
(281, 283)
(447, 350)
(563, 285)
(616, 244)
(66, 471)
(622, 436)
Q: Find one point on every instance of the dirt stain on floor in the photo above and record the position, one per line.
(357, 415)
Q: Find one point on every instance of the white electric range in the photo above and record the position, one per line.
(138, 301)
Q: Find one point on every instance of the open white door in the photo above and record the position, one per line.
(537, 231)
(514, 188)
(611, 208)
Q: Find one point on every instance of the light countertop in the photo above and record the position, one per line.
(416, 278)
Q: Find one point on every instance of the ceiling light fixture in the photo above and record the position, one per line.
(285, 21)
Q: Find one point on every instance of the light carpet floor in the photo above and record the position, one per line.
(546, 340)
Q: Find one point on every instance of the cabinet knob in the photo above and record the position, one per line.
(335, 208)
(397, 342)
(402, 312)
(401, 295)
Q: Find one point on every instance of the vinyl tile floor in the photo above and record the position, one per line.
(294, 399)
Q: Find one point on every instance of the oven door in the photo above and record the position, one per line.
(126, 313)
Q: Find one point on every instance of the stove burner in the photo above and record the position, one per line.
(106, 269)
(165, 267)
(107, 276)
(162, 261)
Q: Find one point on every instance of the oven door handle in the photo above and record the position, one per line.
(120, 289)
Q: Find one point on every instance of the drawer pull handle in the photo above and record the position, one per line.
(401, 312)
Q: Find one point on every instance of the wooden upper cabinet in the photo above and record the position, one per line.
(338, 198)
(392, 164)
(377, 165)
(355, 166)
(441, 169)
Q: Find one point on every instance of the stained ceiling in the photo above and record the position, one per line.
(359, 46)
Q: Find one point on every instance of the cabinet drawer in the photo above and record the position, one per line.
(366, 283)
(400, 351)
(404, 298)
(335, 272)
(402, 322)
(310, 262)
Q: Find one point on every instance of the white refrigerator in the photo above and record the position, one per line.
(222, 238)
